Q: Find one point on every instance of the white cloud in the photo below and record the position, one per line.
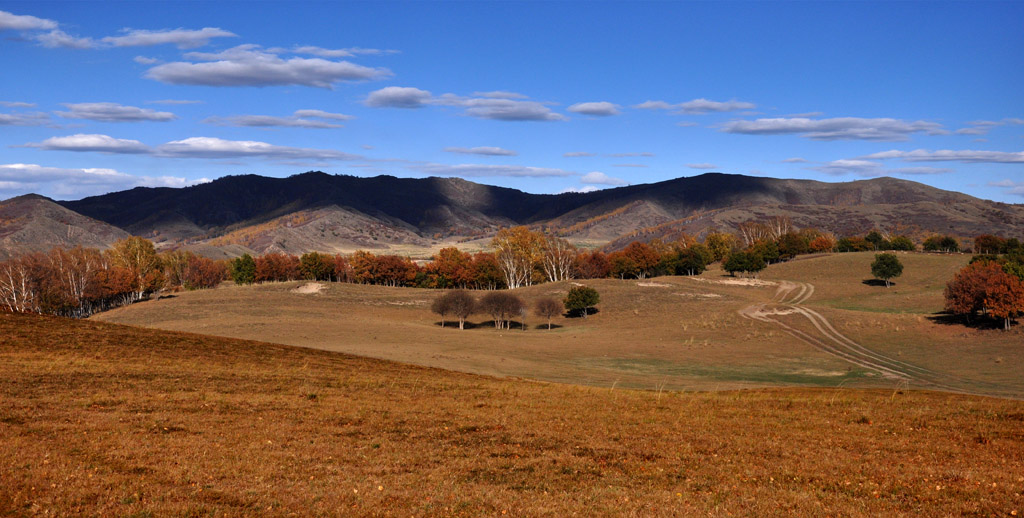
(210, 147)
(339, 53)
(15, 22)
(576, 154)
(946, 155)
(597, 109)
(92, 142)
(702, 166)
(707, 106)
(579, 190)
(500, 94)
(24, 119)
(477, 170)
(622, 155)
(11, 104)
(113, 112)
(867, 168)
(183, 38)
(795, 160)
(500, 109)
(599, 178)
(976, 130)
(248, 65)
(686, 124)
(65, 182)
(320, 114)
(398, 97)
(1010, 187)
(629, 165)
(495, 108)
(300, 119)
(143, 60)
(482, 150)
(697, 106)
(267, 121)
(60, 39)
(840, 128)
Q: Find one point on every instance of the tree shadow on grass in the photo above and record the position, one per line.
(578, 313)
(455, 324)
(976, 322)
(544, 327)
(876, 282)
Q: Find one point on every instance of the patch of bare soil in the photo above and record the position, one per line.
(310, 288)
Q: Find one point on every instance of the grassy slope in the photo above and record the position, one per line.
(667, 332)
(98, 419)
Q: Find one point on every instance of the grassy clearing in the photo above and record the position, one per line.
(109, 420)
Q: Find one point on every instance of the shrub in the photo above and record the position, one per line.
(581, 299)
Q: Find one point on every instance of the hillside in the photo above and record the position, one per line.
(408, 211)
(105, 420)
(34, 223)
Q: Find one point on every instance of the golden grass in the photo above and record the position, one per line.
(106, 420)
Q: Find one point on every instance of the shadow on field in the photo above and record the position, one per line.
(467, 325)
(544, 327)
(579, 313)
(979, 322)
(876, 282)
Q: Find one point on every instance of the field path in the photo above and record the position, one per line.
(789, 299)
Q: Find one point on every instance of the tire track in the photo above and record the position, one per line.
(788, 300)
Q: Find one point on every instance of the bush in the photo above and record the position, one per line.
(581, 299)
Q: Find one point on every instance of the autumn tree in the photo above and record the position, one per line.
(18, 287)
(451, 267)
(487, 274)
(516, 251)
(791, 245)
(988, 244)
(580, 300)
(277, 266)
(202, 273)
(139, 257)
(752, 231)
(886, 266)
(592, 265)
(548, 308)
(315, 266)
(720, 244)
(985, 287)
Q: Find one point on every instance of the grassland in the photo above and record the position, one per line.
(107, 420)
(673, 333)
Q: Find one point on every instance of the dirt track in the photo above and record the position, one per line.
(789, 299)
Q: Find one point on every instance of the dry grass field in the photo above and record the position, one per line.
(667, 333)
(106, 420)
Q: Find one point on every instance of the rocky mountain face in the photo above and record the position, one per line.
(33, 223)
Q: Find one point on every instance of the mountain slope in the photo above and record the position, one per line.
(33, 223)
(254, 211)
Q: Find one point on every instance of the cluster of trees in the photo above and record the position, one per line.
(82, 281)
(991, 285)
(503, 306)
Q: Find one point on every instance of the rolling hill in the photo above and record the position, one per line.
(33, 223)
(317, 211)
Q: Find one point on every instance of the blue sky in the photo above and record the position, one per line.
(539, 96)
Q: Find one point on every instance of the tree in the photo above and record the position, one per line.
(315, 266)
(486, 272)
(886, 266)
(277, 267)
(548, 308)
(516, 250)
(457, 302)
(138, 256)
(791, 245)
(822, 243)
(580, 299)
(592, 265)
(744, 262)
(557, 257)
(941, 244)
(984, 286)
(720, 244)
(622, 266)
(202, 273)
(451, 267)
(902, 243)
(502, 306)
(643, 256)
(988, 244)
(877, 241)
(243, 269)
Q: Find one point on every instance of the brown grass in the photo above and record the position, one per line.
(98, 419)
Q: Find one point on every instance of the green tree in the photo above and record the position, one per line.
(315, 266)
(580, 299)
(243, 269)
(886, 266)
(902, 243)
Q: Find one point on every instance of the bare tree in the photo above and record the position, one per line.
(557, 257)
(442, 306)
(501, 306)
(461, 304)
(778, 226)
(548, 308)
(752, 232)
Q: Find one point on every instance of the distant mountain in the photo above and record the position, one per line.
(34, 223)
(317, 211)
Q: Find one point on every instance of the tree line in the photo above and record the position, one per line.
(81, 281)
(503, 306)
(991, 286)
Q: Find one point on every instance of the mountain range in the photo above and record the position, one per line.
(341, 213)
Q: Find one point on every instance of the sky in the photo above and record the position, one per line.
(545, 97)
